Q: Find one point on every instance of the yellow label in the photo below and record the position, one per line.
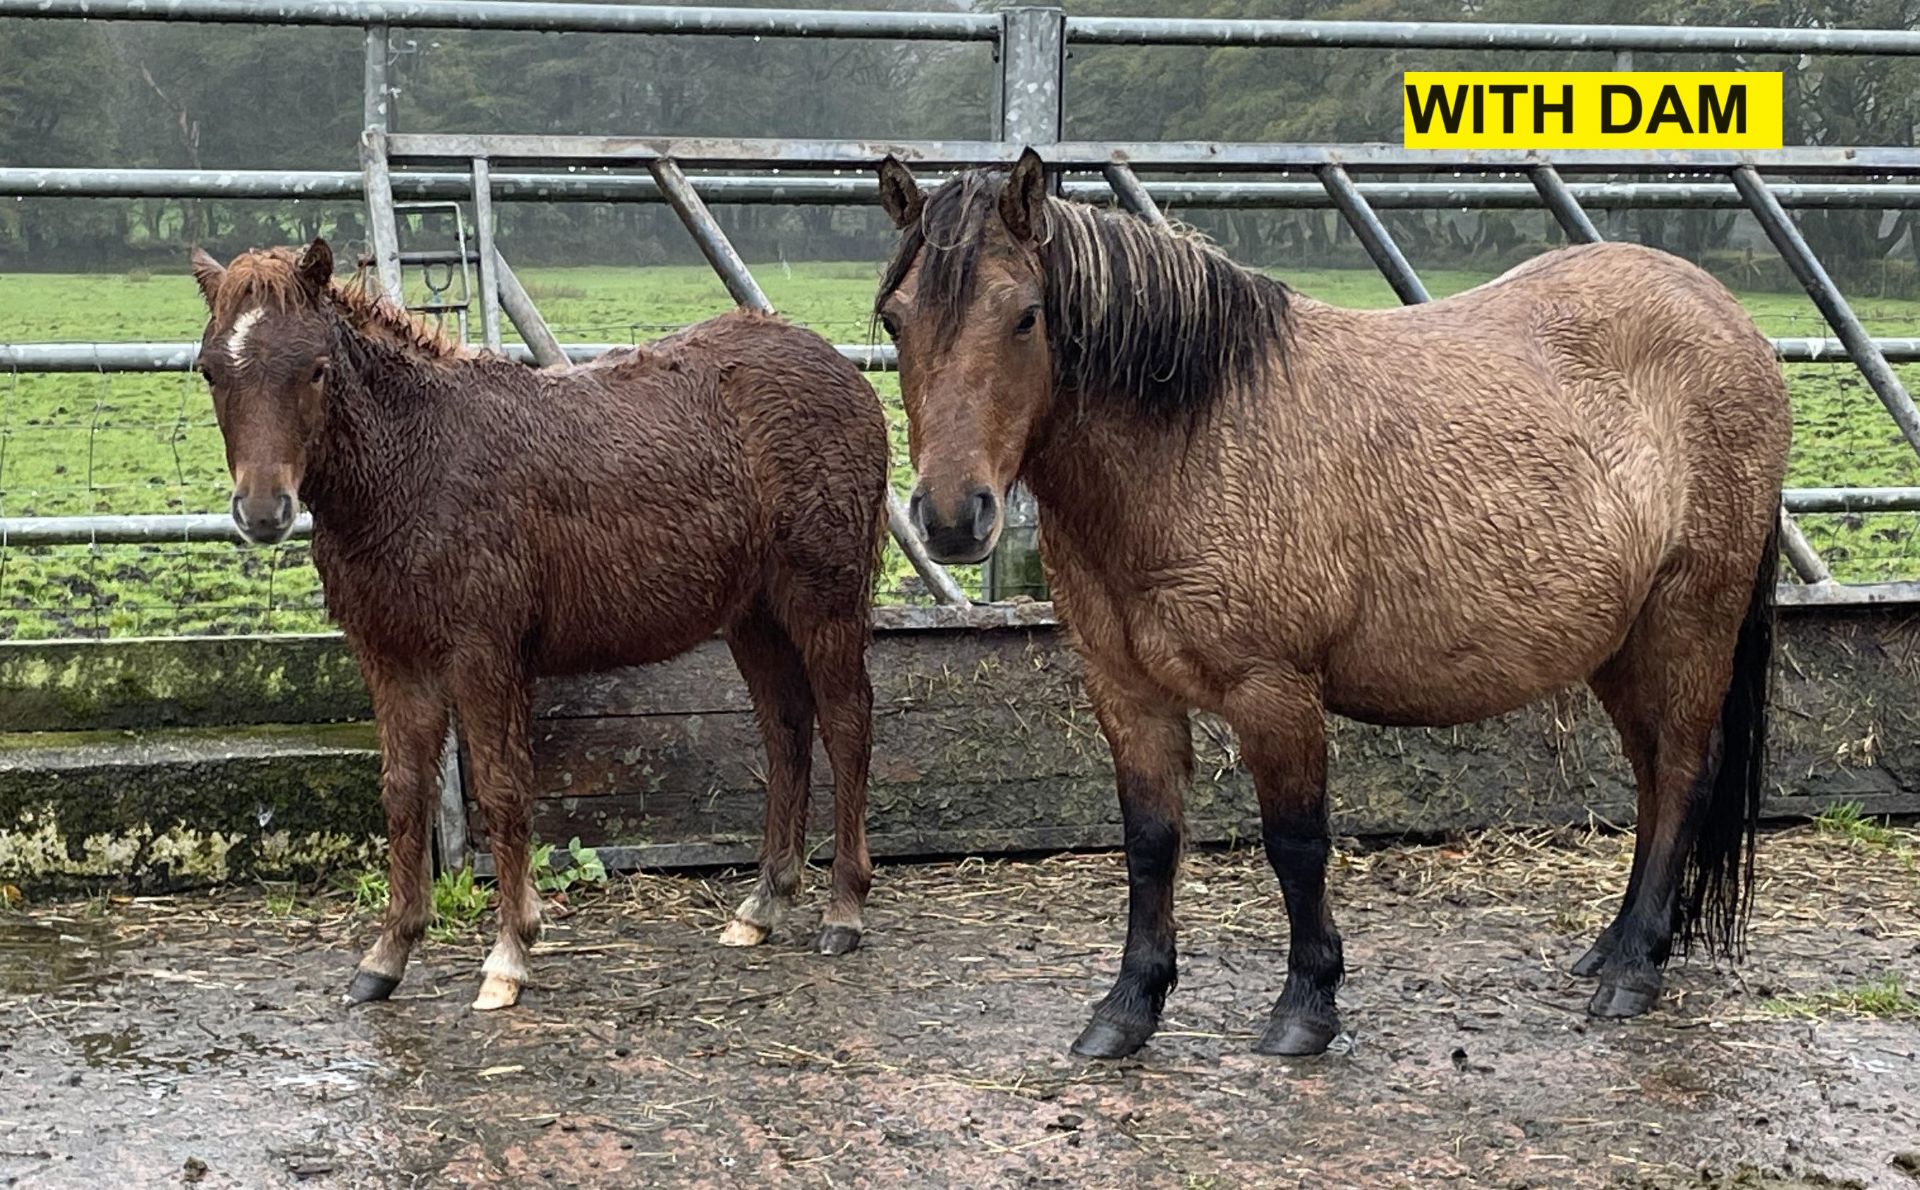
(1592, 109)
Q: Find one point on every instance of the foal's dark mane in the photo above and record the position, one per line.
(1159, 320)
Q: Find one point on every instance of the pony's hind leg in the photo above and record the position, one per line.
(836, 655)
(411, 714)
(1282, 734)
(1688, 658)
(783, 704)
(1628, 688)
(491, 698)
(1152, 745)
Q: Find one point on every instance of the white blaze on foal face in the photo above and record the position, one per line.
(237, 337)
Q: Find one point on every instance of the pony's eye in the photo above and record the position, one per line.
(319, 372)
(1028, 317)
(890, 326)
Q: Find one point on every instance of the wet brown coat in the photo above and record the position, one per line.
(1268, 507)
(478, 523)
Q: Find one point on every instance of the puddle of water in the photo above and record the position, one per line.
(49, 959)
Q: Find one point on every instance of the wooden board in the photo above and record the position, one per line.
(984, 741)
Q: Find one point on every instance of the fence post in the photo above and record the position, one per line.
(383, 228)
(1033, 66)
(489, 262)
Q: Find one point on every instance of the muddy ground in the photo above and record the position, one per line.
(203, 1041)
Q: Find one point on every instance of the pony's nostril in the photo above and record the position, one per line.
(283, 512)
(237, 510)
(917, 513)
(986, 510)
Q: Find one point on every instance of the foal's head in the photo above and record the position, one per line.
(265, 355)
(964, 298)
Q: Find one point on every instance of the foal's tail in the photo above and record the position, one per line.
(1717, 891)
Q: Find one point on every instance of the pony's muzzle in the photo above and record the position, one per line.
(264, 520)
(961, 533)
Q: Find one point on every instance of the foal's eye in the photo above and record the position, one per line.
(1028, 317)
(890, 326)
(319, 372)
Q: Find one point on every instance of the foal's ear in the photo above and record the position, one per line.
(1023, 203)
(900, 193)
(207, 273)
(315, 266)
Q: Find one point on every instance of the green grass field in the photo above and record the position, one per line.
(78, 444)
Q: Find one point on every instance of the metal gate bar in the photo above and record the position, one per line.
(1373, 236)
(489, 258)
(1132, 195)
(1564, 206)
(519, 307)
(706, 232)
(831, 190)
(1833, 307)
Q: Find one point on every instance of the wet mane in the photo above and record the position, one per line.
(1158, 319)
(270, 277)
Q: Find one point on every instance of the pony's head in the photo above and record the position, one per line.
(964, 299)
(265, 356)
(1005, 302)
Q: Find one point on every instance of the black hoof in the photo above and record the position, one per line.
(1614, 1001)
(368, 986)
(1296, 1037)
(1103, 1038)
(839, 940)
(1589, 964)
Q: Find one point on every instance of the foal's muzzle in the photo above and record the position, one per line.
(265, 520)
(959, 534)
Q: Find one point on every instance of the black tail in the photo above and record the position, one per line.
(1717, 891)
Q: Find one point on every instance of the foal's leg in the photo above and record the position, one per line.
(1152, 745)
(1283, 738)
(1632, 696)
(411, 712)
(783, 704)
(836, 653)
(491, 697)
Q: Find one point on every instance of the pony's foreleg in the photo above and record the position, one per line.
(411, 712)
(492, 702)
(1152, 745)
(837, 663)
(783, 704)
(1283, 740)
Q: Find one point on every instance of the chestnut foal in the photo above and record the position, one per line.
(478, 523)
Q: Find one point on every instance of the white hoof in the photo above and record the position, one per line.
(497, 991)
(742, 933)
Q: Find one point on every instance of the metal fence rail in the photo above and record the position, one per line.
(533, 16)
(1487, 35)
(859, 189)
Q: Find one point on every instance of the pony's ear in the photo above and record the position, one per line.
(900, 193)
(315, 266)
(1023, 203)
(207, 273)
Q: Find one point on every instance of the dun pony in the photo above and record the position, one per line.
(479, 524)
(1266, 507)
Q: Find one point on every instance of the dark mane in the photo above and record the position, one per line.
(1159, 319)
